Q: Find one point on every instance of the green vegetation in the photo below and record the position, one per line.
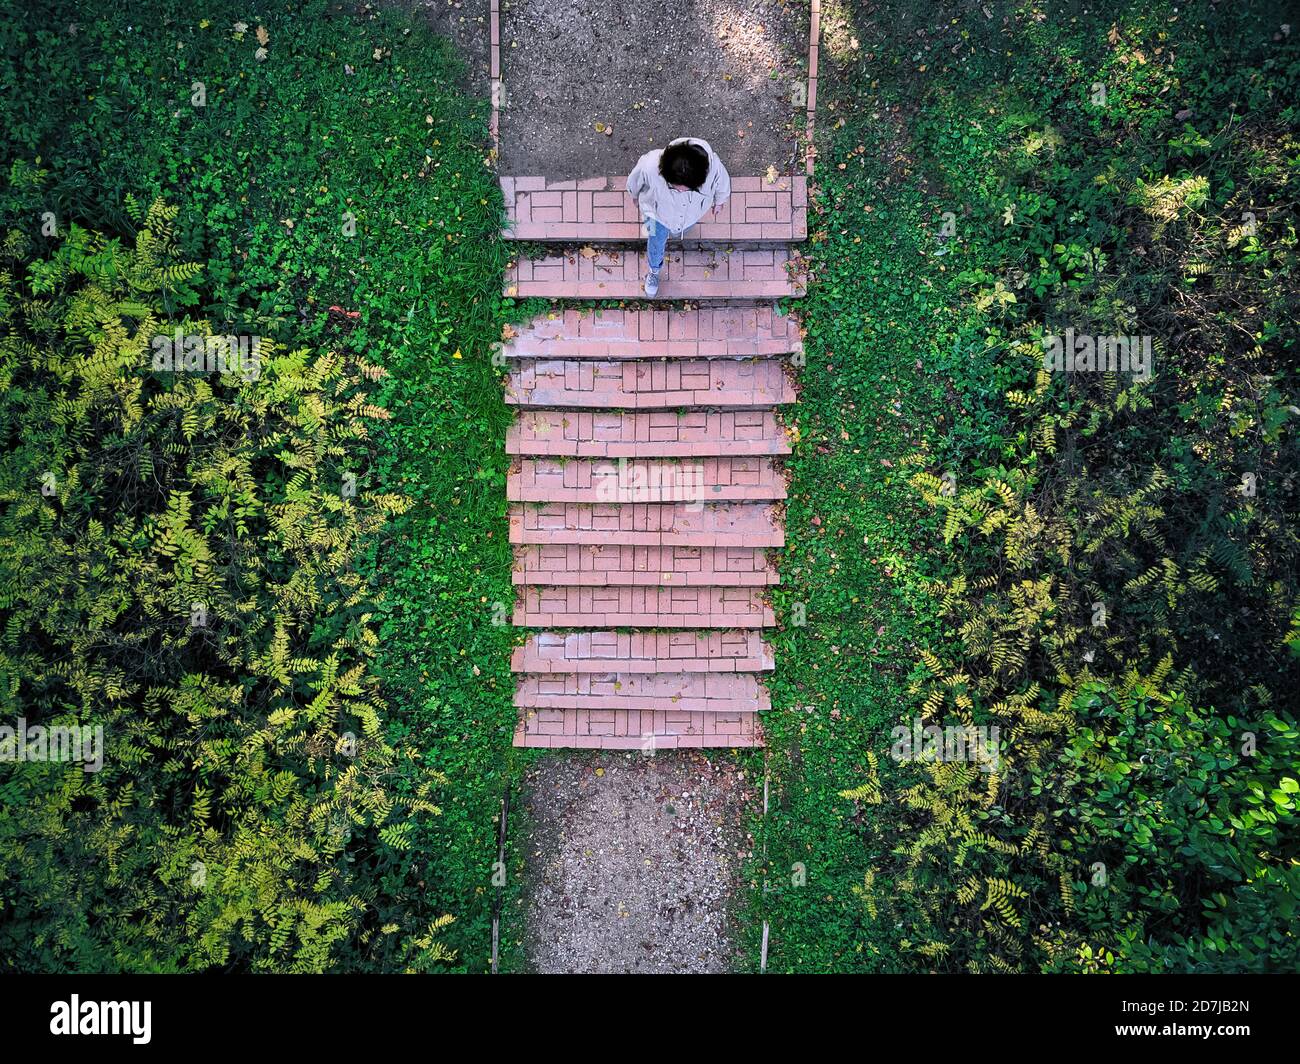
(280, 594)
(1111, 581)
(188, 586)
(329, 178)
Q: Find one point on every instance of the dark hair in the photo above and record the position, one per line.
(684, 164)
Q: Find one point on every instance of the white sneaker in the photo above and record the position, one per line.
(652, 283)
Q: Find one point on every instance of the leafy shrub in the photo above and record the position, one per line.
(1124, 553)
(358, 111)
(180, 569)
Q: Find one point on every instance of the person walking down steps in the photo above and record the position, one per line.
(674, 187)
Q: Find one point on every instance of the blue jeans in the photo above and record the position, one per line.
(656, 244)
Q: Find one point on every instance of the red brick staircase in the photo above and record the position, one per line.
(645, 489)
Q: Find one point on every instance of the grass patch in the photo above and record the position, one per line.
(1030, 171)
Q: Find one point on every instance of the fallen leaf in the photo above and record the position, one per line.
(771, 175)
(263, 37)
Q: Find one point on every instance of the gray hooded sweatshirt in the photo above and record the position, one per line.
(678, 211)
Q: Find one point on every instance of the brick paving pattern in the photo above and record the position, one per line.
(643, 480)
(608, 564)
(646, 485)
(690, 271)
(601, 210)
(738, 331)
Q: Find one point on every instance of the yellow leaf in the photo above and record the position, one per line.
(456, 354)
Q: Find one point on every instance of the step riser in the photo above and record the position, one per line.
(594, 619)
(668, 743)
(694, 434)
(628, 236)
(531, 664)
(751, 700)
(691, 272)
(711, 706)
(615, 564)
(607, 651)
(534, 690)
(668, 290)
(653, 350)
(600, 210)
(735, 524)
(705, 332)
(641, 385)
(556, 578)
(648, 731)
(596, 449)
(582, 481)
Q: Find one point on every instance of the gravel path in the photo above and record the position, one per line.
(652, 70)
(632, 861)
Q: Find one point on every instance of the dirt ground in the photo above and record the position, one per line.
(465, 24)
(633, 861)
(722, 70)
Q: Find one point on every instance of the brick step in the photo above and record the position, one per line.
(611, 564)
(645, 730)
(647, 524)
(649, 385)
(627, 652)
(690, 271)
(634, 606)
(599, 209)
(701, 692)
(704, 332)
(646, 434)
(607, 480)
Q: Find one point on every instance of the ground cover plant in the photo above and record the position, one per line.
(1113, 589)
(330, 182)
